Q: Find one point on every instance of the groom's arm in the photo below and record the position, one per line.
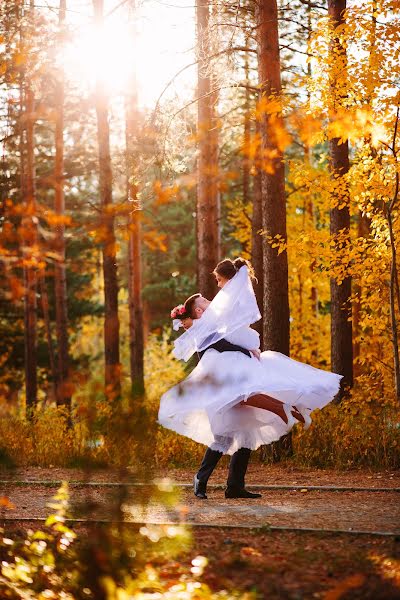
(225, 346)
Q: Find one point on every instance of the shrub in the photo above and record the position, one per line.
(44, 440)
(362, 431)
(110, 562)
(162, 371)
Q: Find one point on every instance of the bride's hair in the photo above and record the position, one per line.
(228, 268)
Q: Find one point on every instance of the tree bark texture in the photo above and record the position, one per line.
(394, 276)
(111, 320)
(47, 325)
(308, 160)
(136, 341)
(29, 233)
(136, 337)
(207, 160)
(60, 279)
(246, 130)
(276, 291)
(257, 249)
(341, 325)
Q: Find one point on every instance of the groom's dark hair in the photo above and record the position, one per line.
(190, 305)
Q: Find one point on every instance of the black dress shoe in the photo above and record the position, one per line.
(199, 489)
(242, 493)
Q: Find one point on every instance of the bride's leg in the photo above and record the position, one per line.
(297, 415)
(273, 405)
(267, 403)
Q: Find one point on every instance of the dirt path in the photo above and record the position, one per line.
(257, 473)
(274, 564)
(376, 511)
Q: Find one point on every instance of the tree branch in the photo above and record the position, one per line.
(171, 81)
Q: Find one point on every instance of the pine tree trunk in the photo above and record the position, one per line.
(341, 325)
(111, 320)
(207, 161)
(275, 271)
(314, 290)
(63, 395)
(246, 130)
(136, 337)
(47, 325)
(276, 292)
(257, 248)
(136, 341)
(29, 230)
(308, 161)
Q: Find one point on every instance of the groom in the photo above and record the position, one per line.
(195, 306)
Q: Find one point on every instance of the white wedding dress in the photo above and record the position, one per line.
(206, 406)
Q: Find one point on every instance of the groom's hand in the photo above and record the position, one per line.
(256, 352)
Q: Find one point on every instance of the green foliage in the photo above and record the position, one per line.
(169, 274)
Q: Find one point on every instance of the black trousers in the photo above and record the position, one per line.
(237, 467)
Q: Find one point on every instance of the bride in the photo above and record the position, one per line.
(237, 399)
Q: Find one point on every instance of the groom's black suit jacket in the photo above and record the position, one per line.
(225, 346)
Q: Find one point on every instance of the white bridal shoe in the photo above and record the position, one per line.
(305, 413)
(290, 418)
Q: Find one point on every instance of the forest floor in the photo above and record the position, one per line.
(245, 546)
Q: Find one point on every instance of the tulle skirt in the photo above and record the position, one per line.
(207, 406)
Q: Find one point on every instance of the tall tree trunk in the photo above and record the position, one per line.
(111, 320)
(30, 241)
(47, 325)
(136, 342)
(394, 273)
(63, 396)
(136, 336)
(246, 163)
(276, 292)
(29, 231)
(207, 161)
(275, 271)
(246, 131)
(257, 246)
(341, 325)
(308, 160)
(314, 290)
(214, 133)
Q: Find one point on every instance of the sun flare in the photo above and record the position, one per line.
(122, 50)
(102, 54)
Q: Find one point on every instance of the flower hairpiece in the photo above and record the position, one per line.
(178, 311)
